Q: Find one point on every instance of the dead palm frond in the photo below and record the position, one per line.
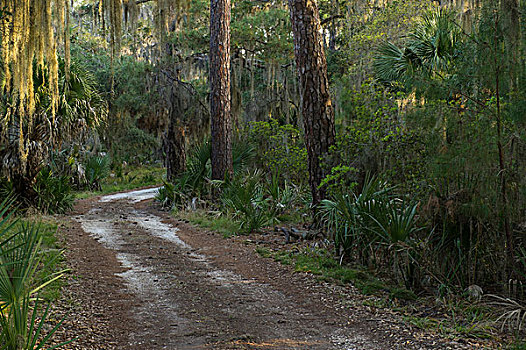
(513, 312)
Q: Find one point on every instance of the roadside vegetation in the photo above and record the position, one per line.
(418, 202)
(29, 281)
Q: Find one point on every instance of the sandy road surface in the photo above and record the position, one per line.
(164, 285)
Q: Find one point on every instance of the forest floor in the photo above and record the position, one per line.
(141, 279)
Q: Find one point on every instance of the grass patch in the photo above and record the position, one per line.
(321, 264)
(131, 178)
(264, 252)
(450, 327)
(460, 318)
(222, 224)
(284, 257)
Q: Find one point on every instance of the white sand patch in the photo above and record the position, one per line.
(133, 196)
(102, 231)
(155, 227)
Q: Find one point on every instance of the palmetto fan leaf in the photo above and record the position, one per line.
(20, 259)
(80, 102)
(429, 49)
(392, 63)
(434, 41)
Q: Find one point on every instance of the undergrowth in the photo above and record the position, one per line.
(321, 264)
(222, 224)
(29, 262)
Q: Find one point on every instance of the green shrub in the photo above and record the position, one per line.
(244, 198)
(68, 163)
(279, 149)
(97, 169)
(195, 181)
(173, 195)
(281, 194)
(20, 261)
(351, 219)
(130, 144)
(374, 226)
(53, 193)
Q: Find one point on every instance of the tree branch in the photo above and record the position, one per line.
(331, 18)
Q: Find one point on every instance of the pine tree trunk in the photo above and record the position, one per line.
(220, 101)
(317, 109)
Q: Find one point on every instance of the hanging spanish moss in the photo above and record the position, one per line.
(167, 12)
(67, 42)
(28, 38)
(115, 13)
(131, 14)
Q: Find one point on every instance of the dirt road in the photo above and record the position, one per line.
(143, 280)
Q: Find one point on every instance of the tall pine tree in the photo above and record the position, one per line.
(317, 109)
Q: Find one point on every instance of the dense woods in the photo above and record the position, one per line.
(393, 131)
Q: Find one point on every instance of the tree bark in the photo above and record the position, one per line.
(175, 149)
(220, 100)
(511, 28)
(317, 109)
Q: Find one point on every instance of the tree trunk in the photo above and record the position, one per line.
(511, 28)
(220, 101)
(510, 22)
(502, 162)
(317, 109)
(175, 149)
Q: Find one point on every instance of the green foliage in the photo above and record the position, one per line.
(195, 181)
(263, 29)
(337, 181)
(256, 202)
(81, 109)
(430, 49)
(81, 104)
(373, 227)
(131, 130)
(129, 143)
(97, 169)
(20, 260)
(53, 192)
(166, 195)
(518, 346)
(281, 197)
(198, 169)
(357, 221)
(223, 224)
(374, 138)
(280, 149)
(175, 195)
(396, 221)
(366, 27)
(243, 196)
